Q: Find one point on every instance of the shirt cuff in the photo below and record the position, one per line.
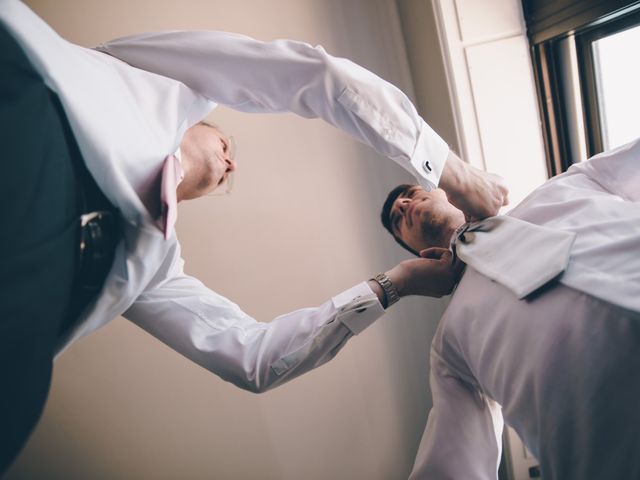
(358, 307)
(429, 157)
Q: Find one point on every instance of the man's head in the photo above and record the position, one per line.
(418, 219)
(206, 160)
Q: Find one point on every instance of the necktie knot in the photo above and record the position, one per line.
(466, 233)
(458, 236)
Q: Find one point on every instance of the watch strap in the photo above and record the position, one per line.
(390, 291)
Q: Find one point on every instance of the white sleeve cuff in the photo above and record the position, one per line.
(429, 157)
(358, 307)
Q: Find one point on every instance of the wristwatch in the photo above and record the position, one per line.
(388, 287)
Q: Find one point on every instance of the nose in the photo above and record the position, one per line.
(400, 206)
(403, 204)
(231, 165)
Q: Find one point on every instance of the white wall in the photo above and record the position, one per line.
(493, 90)
(428, 71)
(301, 225)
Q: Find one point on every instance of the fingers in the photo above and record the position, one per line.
(502, 190)
(477, 193)
(445, 256)
(433, 275)
(487, 206)
(436, 253)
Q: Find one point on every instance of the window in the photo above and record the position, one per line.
(618, 77)
(587, 71)
(610, 75)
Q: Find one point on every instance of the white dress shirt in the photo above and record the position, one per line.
(127, 120)
(563, 364)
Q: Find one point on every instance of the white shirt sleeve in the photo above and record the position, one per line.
(463, 437)
(617, 170)
(290, 76)
(215, 333)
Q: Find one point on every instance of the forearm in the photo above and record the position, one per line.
(217, 335)
(284, 75)
(289, 76)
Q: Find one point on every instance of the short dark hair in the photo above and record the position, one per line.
(385, 214)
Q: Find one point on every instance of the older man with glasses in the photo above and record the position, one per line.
(100, 153)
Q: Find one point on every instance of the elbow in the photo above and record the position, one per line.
(256, 383)
(321, 66)
(254, 387)
(328, 66)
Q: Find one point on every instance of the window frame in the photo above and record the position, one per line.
(588, 75)
(549, 69)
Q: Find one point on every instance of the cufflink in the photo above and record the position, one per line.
(426, 167)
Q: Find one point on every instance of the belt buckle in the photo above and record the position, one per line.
(98, 237)
(86, 219)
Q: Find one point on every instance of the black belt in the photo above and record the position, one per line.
(98, 235)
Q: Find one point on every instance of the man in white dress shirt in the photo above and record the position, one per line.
(88, 136)
(562, 365)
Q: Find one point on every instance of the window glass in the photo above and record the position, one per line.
(617, 66)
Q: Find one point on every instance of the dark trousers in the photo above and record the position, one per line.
(38, 236)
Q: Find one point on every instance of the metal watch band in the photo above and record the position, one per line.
(390, 291)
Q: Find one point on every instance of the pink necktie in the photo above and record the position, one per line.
(172, 175)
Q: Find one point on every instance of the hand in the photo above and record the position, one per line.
(478, 194)
(433, 275)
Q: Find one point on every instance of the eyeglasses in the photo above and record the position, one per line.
(225, 187)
